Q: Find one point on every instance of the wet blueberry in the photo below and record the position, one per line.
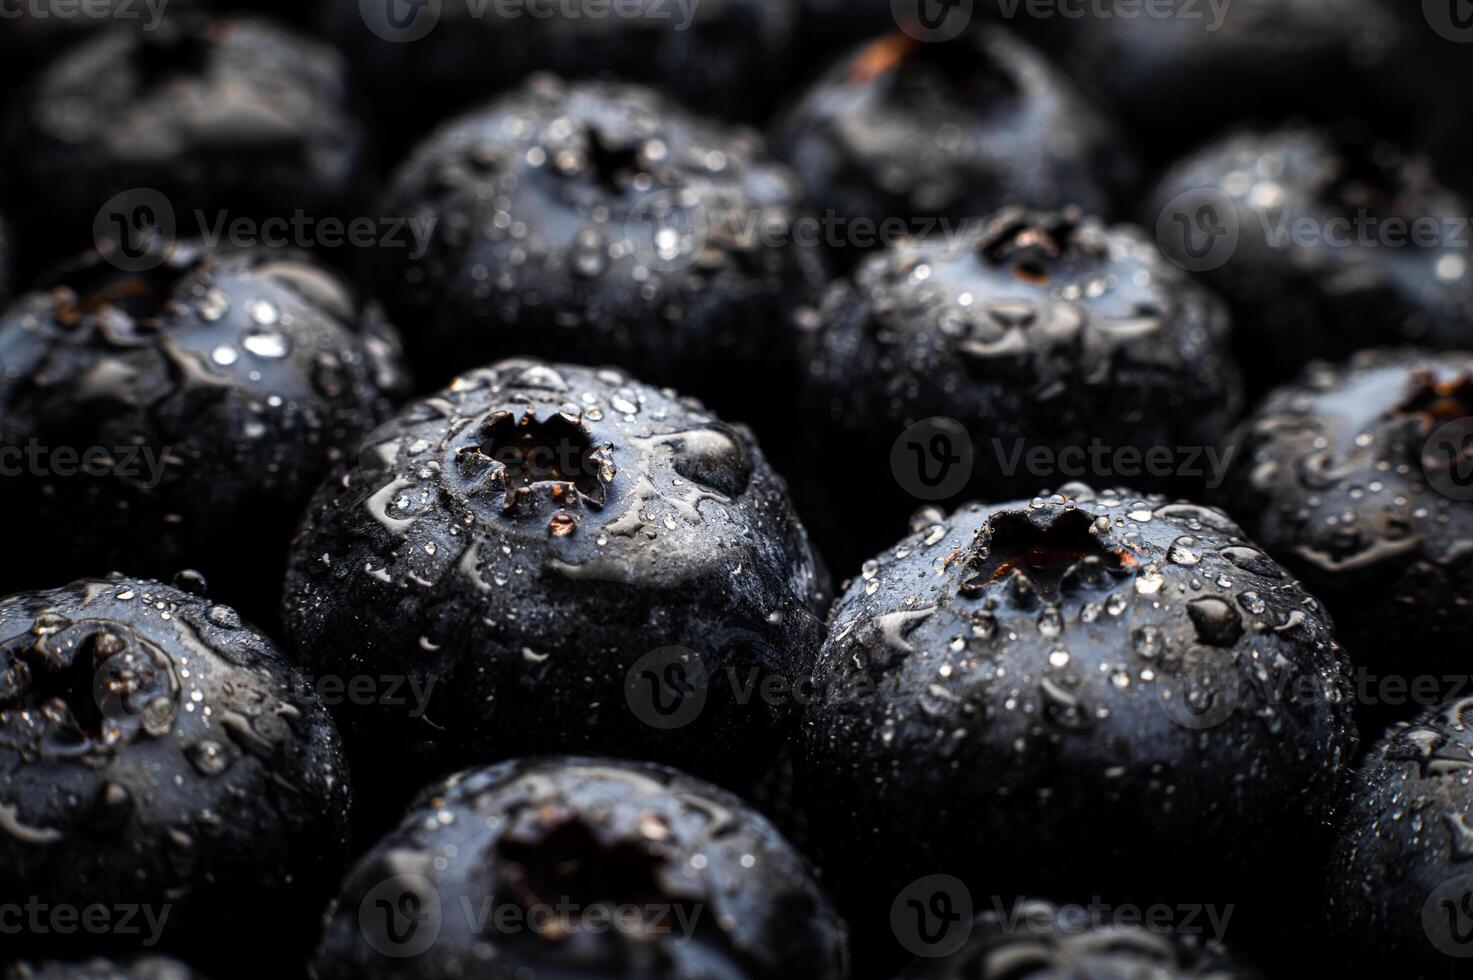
(1400, 880)
(156, 754)
(1089, 694)
(139, 968)
(135, 130)
(557, 558)
(915, 133)
(1060, 348)
(726, 57)
(568, 867)
(1184, 70)
(603, 224)
(1358, 478)
(1036, 940)
(182, 415)
(1322, 244)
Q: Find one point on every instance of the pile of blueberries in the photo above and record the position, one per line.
(736, 489)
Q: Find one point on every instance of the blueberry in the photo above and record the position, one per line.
(1037, 940)
(156, 753)
(140, 968)
(1322, 243)
(901, 130)
(1358, 478)
(1178, 79)
(581, 867)
(182, 415)
(1401, 870)
(1042, 332)
(131, 130)
(1086, 693)
(604, 222)
(557, 558)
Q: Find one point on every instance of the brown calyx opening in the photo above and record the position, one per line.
(554, 451)
(1437, 401)
(1044, 554)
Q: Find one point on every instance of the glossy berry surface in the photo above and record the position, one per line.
(234, 116)
(140, 968)
(1322, 244)
(704, 887)
(1401, 869)
(1358, 478)
(1176, 80)
(1036, 940)
(728, 58)
(181, 416)
(1043, 331)
(538, 544)
(902, 129)
(156, 752)
(603, 221)
(1071, 691)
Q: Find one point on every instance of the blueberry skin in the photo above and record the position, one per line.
(1298, 297)
(720, 893)
(729, 59)
(223, 384)
(1178, 80)
(155, 751)
(1401, 867)
(1037, 940)
(1084, 692)
(1343, 477)
(141, 968)
(234, 116)
(521, 544)
(549, 209)
(910, 130)
(1040, 331)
